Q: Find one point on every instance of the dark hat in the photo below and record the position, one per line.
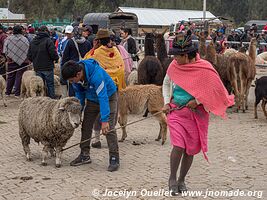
(43, 29)
(87, 28)
(182, 44)
(17, 29)
(102, 33)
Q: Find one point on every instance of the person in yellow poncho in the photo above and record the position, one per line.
(111, 60)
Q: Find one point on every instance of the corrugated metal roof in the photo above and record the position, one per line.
(163, 17)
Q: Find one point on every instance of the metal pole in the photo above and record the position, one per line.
(8, 3)
(204, 9)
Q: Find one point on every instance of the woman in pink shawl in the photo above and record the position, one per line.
(193, 87)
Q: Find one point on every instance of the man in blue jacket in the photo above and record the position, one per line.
(93, 84)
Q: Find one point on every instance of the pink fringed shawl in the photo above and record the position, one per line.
(202, 81)
(128, 61)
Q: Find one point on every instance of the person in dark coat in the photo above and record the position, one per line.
(75, 49)
(43, 54)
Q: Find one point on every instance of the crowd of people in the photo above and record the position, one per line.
(233, 39)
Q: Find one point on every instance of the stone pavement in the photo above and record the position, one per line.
(237, 154)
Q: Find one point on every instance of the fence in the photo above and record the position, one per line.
(141, 42)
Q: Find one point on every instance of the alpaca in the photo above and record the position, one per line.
(241, 73)
(162, 52)
(135, 99)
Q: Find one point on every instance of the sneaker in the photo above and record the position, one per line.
(114, 164)
(96, 145)
(80, 160)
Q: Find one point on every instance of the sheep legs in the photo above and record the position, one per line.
(45, 154)
(58, 156)
(25, 143)
(4, 100)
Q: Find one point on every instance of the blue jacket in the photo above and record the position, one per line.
(97, 87)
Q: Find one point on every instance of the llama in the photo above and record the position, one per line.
(162, 52)
(219, 62)
(150, 70)
(241, 73)
(202, 49)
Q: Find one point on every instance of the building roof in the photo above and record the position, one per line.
(163, 17)
(6, 14)
(96, 17)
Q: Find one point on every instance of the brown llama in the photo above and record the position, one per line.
(150, 70)
(219, 62)
(162, 52)
(202, 49)
(137, 98)
(241, 73)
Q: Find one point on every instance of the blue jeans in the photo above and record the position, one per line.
(48, 78)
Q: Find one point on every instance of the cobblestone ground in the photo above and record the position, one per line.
(237, 154)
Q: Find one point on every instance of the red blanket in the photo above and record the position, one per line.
(202, 81)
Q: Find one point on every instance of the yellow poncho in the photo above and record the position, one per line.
(110, 59)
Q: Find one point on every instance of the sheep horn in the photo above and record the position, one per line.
(66, 101)
(63, 103)
(61, 108)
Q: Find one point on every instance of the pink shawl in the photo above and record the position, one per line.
(128, 62)
(202, 81)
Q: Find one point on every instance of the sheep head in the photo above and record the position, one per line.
(70, 108)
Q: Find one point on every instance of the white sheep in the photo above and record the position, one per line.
(51, 122)
(3, 89)
(57, 85)
(31, 85)
(132, 78)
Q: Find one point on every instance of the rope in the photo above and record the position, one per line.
(134, 122)
(16, 70)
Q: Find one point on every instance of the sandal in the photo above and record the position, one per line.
(182, 187)
(173, 189)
